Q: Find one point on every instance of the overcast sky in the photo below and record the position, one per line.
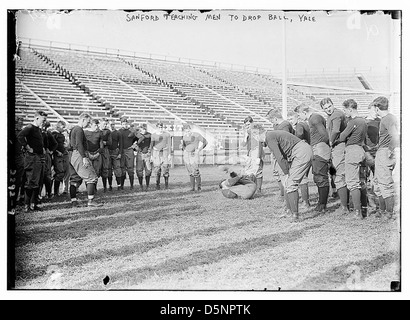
(339, 39)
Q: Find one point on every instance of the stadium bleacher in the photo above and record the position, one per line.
(69, 82)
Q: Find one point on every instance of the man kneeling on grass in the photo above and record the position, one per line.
(238, 186)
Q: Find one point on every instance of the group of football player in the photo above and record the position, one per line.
(356, 156)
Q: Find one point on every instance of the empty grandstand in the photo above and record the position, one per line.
(67, 82)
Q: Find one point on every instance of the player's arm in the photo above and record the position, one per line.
(336, 123)
(204, 144)
(78, 138)
(182, 144)
(21, 138)
(101, 143)
(394, 134)
(108, 142)
(283, 163)
(52, 142)
(299, 131)
(347, 132)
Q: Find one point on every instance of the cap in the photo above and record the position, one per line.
(41, 113)
(186, 126)
(229, 194)
(143, 126)
(124, 120)
(160, 125)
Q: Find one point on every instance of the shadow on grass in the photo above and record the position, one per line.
(203, 257)
(127, 195)
(128, 250)
(84, 212)
(339, 276)
(80, 229)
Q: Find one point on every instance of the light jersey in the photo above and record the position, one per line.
(161, 141)
(191, 141)
(94, 139)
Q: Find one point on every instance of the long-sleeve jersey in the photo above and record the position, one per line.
(49, 142)
(60, 138)
(144, 141)
(31, 135)
(372, 137)
(77, 140)
(127, 138)
(355, 132)
(161, 141)
(94, 140)
(281, 144)
(318, 132)
(302, 131)
(116, 141)
(336, 123)
(389, 133)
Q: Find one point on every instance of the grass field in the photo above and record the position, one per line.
(179, 240)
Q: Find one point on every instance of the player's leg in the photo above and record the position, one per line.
(148, 170)
(338, 160)
(140, 169)
(165, 169)
(384, 168)
(88, 175)
(105, 157)
(354, 155)
(123, 170)
(302, 160)
(58, 162)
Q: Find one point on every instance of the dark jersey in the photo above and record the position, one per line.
(372, 137)
(389, 133)
(116, 141)
(281, 144)
(94, 140)
(355, 132)
(31, 135)
(318, 132)
(336, 123)
(106, 137)
(127, 138)
(60, 139)
(285, 126)
(49, 142)
(302, 131)
(143, 141)
(77, 140)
